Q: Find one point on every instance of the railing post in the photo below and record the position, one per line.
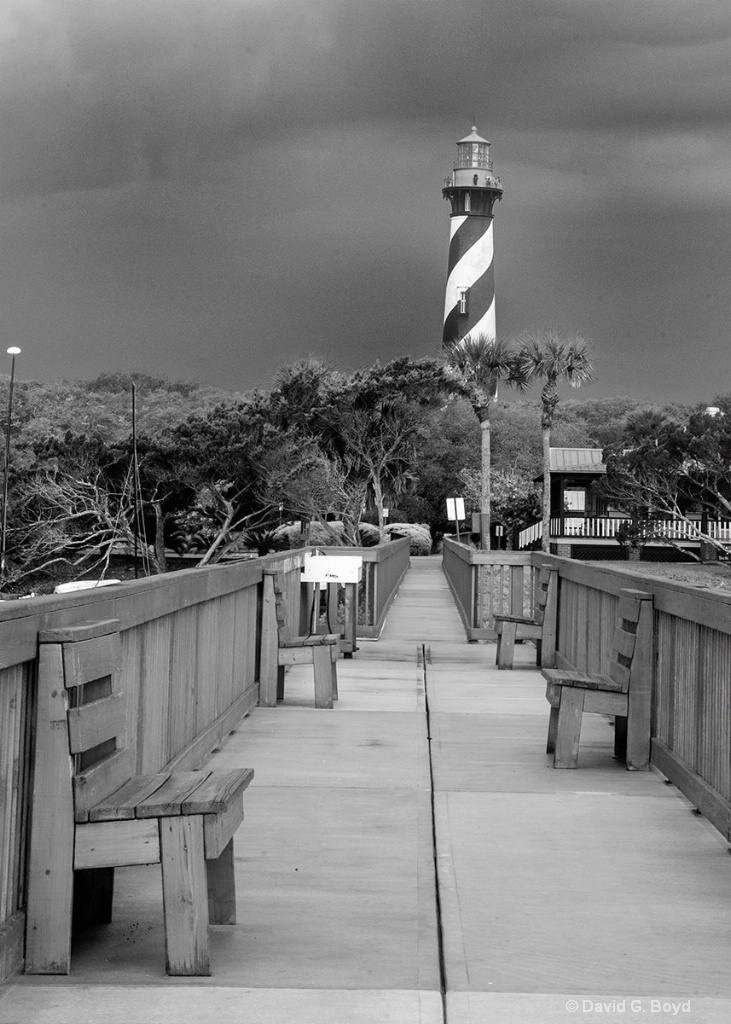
(516, 590)
(269, 646)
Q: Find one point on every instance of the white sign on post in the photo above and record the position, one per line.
(332, 569)
(455, 509)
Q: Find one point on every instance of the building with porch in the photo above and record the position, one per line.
(583, 526)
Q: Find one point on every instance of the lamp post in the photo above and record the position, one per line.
(13, 352)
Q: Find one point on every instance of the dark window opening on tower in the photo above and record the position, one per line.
(462, 300)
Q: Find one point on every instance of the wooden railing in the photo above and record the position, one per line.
(486, 583)
(691, 728)
(384, 567)
(605, 527)
(190, 645)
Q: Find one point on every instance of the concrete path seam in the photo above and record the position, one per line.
(424, 658)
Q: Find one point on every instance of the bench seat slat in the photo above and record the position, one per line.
(569, 677)
(221, 786)
(167, 801)
(322, 639)
(120, 805)
(528, 620)
(315, 640)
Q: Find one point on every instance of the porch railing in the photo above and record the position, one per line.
(603, 527)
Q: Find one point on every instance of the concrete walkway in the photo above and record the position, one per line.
(598, 885)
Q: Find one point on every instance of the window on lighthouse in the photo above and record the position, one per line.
(462, 301)
(467, 201)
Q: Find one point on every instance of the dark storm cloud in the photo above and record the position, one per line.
(95, 93)
(183, 178)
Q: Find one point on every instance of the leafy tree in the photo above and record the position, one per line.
(359, 432)
(551, 359)
(448, 441)
(475, 367)
(217, 460)
(593, 424)
(516, 501)
(671, 466)
(72, 507)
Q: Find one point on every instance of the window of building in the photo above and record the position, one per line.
(467, 201)
(462, 300)
(574, 500)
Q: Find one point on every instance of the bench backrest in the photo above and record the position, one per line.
(632, 639)
(546, 593)
(86, 661)
(283, 611)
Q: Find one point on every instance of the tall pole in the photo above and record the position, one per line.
(135, 471)
(14, 351)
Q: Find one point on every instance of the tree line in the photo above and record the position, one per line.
(210, 472)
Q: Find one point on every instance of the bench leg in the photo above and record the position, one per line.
(50, 907)
(322, 668)
(570, 713)
(620, 737)
(552, 730)
(334, 652)
(222, 887)
(280, 682)
(506, 645)
(637, 746)
(184, 895)
(93, 896)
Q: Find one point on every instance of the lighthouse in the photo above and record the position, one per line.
(471, 190)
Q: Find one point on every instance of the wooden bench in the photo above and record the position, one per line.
(625, 692)
(280, 647)
(540, 627)
(91, 813)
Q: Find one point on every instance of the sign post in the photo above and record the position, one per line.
(455, 512)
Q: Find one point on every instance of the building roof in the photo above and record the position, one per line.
(577, 460)
(473, 137)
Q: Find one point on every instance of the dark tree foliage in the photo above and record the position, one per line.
(673, 466)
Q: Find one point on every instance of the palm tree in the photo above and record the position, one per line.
(551, 358)
(475, 366)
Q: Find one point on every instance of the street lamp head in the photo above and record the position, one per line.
(13, 351)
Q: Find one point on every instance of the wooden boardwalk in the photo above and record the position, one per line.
(410, 856)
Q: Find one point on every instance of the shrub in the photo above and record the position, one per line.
(419, 535)
(291, 536)
(369, 535)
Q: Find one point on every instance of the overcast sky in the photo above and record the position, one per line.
(206, 189)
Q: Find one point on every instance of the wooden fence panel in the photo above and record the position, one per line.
(17, 709)
(691, 724)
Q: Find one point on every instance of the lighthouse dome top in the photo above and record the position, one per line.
(474, 137)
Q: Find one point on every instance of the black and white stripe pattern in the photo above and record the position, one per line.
(471, 258)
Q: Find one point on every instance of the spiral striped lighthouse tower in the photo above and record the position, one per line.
(472, 190)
